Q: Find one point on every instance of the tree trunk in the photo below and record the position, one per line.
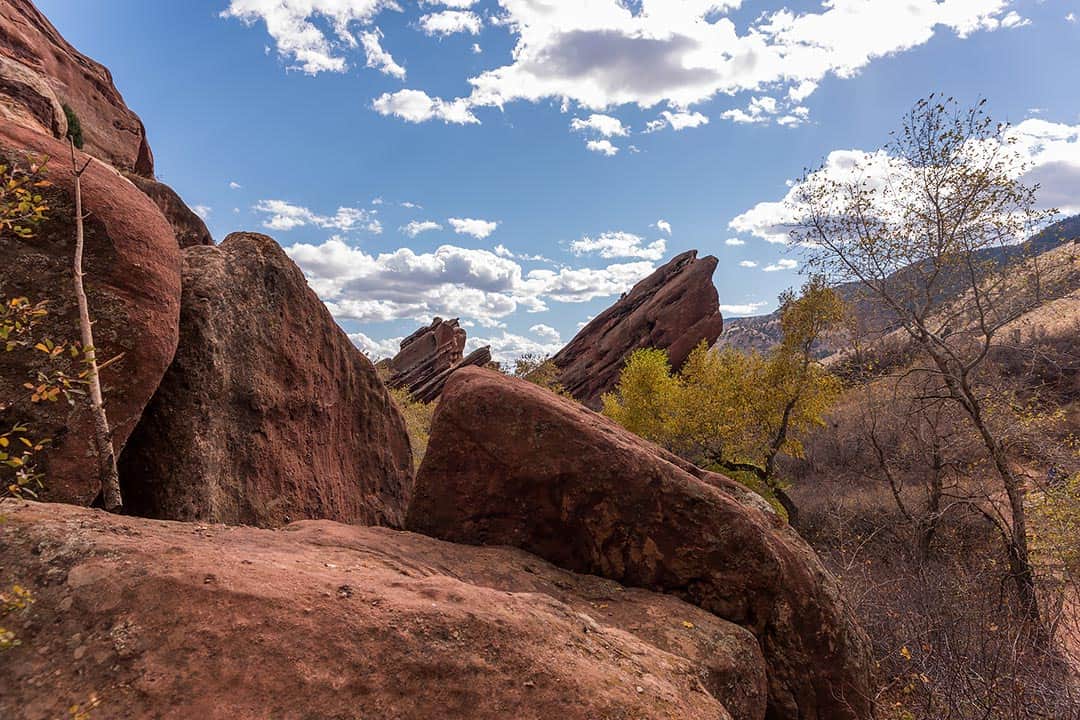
(106, 457)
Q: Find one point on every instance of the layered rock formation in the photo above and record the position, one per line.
(40, 72)
(511, 464)
(429, 356)
(175, 621)
(430, 389)
(132, 266)
(268, 413)
(675, 308)
(427, 352)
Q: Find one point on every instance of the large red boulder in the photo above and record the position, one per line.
(320, 620)
(673, 309)
(510, 463)
(268, 412)
(132, 267)
(40, 72)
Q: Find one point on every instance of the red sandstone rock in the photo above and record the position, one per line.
(426, 353)
(510, 463)
(188, 227)
(319, 620)
(268, 413)
(431, 389)
(132, 266)
(675, 308)
(40, 71)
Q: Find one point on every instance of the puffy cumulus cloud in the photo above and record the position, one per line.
(450, 281)
(377, 57)
(676, 121)
(734, 242)
(751, 308)
(607, 53)
(601, 54)
(663, 226)
(605, 125)
(286, 216)
(619, 245)
(376, 349)
(449, 22)
(479, 229)
(604, 147)
(416, 227)
(202, 211)
(748, 264)
(782, 264)
(546, 333)
(507, 347)
(1048, 153)
(297, 28)
(233, 185)
(416, 106)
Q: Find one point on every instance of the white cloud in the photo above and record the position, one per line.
(411, 205)
(448, 22)
(1071, 17)
(416, 227)
(476, 49)
(751, 308)
(285, 216)
(450, 281)
(619, 245)
(759, 110)
(677, 121)
(292, 25)
(605, 125)
(663, 226)
(508, 347)
(734, 241)
(1050, 150)
(202, 211)
(546, 333)
(416, 106)
(479, 229)
(601, 54)
(781, 264)
(233, 185)
(748, 264)
(376, 349)
(602, 146)
(378, 58)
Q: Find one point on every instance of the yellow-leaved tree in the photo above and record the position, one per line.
(735, 411)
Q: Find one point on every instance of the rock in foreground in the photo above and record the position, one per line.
(268, 413)
(674, 309)
(512, 464)
(177, 621)
(132, 266)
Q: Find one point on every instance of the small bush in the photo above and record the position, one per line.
(74, 126)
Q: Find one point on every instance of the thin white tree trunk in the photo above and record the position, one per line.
(106, 456)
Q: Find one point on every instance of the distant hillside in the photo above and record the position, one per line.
(761, 332)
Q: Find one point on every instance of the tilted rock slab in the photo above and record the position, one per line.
(40, 71)
(177, 621)
(268, 413)
(510, 463)
(132, 278)
(673, 309)
(426, 353)
(430, 390)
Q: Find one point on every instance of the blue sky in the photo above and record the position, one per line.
(536, 145)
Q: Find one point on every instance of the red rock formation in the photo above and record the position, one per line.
(178, 621)
(132, 267)
(675, 308)
(188, 227)
(40, 71)
(510, 463)
(426, 353)
(430, 389)
(268, 413)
